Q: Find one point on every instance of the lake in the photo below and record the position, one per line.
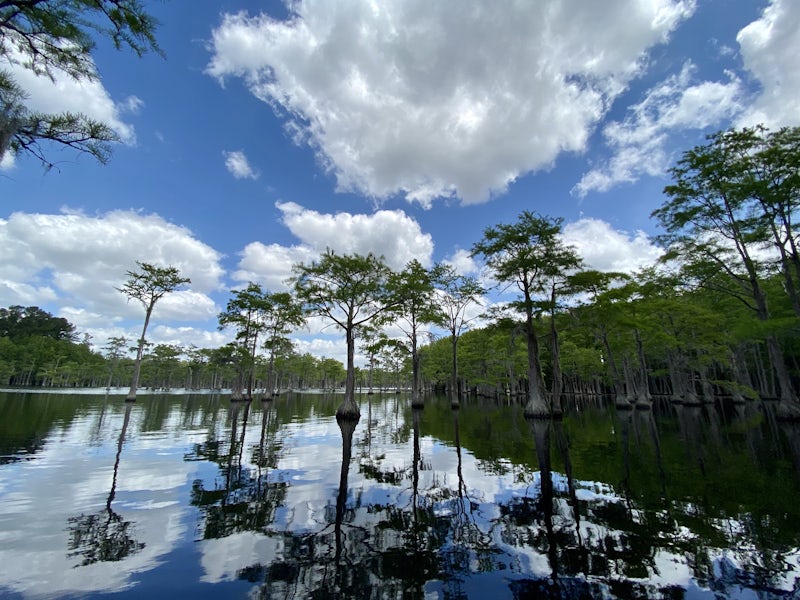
(193, 496)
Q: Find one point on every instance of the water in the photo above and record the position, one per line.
(192, 496)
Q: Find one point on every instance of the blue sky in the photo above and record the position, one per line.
(267, 134)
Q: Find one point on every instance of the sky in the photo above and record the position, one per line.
(269, 131)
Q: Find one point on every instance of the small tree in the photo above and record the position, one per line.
(350, 290)
(148, 285)
(415, 306)
(280, 314)
(456, 293)
(115, 350)
(243, 313)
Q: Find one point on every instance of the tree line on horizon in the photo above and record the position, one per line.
(718, 316)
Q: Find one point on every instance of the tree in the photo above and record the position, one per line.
(350, 290)
(253, 312)
(115, 350)
(530, 254)
(455, 294)
(415, 306)
(710, 218)
(56, 38)
(148, 285)
(280, 314)
(243, 313)
(18, 322)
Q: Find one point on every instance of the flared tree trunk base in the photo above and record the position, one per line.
(533, 411)
(788, 410)
(623, 402)
(348, 411)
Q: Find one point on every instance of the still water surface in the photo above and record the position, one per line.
(193, 496)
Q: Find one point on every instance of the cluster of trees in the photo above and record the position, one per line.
(719, 315)
(32, 358)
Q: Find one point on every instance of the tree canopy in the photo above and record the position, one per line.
(18, 322)
(148, 285)
(54, 39)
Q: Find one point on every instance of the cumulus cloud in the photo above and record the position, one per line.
(462, 262)
(237, 164)
(606, 249)
(769, 47)
(76, 262)
(271, 265)
(640, 142)
(424, 100)
(388, 233)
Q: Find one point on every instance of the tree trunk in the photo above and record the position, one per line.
(455, 398)
(416, 396)
(137, 366)
(555, 350)
(349, 409)
(536, 406)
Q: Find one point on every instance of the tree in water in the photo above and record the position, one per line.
(148, 285)
(281, 314)
(529, 254)
(54, 39)
(729, 199)
(351, 291)
(415, 307)
(455, 293)
(243, 313)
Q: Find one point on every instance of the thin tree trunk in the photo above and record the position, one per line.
(137, 366)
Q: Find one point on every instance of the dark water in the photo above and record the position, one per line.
(191, 496)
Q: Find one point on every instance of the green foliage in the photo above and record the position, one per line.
(57, 38)
(17, 322)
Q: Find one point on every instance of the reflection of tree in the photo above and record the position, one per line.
(104, 536)
(412, 531)
(242, 499)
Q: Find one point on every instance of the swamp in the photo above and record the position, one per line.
(195, 495)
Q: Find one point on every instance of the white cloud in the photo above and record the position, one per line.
(769, 47)
(462, 262)
(271, 265)
(76, 262)
(237, 164)
(390, 233)
(606, 249)
(640, 141)
(425, 100)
